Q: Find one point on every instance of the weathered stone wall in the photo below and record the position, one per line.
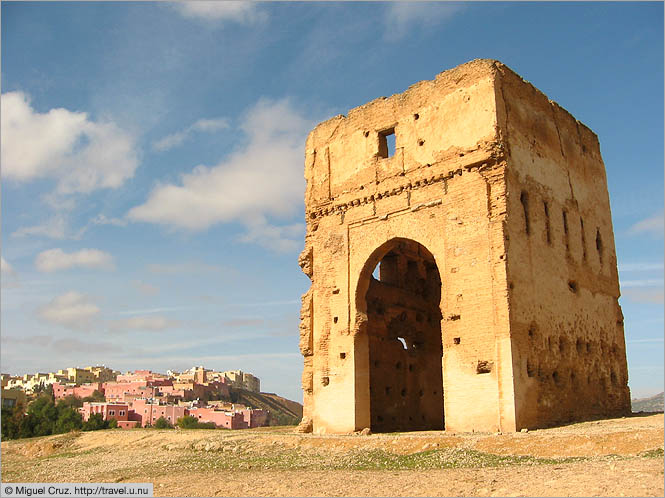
(566, 323)
(444, 201)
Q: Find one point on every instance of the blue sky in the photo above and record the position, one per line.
(152, 162)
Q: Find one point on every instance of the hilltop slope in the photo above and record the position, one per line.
(283, 411)
(652, 404)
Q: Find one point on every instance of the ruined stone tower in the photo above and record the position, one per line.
(460, 246)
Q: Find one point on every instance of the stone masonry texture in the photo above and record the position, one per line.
(460, 247)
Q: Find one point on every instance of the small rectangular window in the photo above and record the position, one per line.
(387, 143)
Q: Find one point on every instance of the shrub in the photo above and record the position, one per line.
(113, 424)
(162, 423)
(190, 422)
(95, 423)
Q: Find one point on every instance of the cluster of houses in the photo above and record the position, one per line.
(141, 397)
(30, 383)
(74, 376)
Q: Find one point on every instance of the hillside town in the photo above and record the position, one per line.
(142, 397)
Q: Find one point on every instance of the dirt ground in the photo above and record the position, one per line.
(618, 457)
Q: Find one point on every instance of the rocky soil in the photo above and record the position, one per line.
(618, 457)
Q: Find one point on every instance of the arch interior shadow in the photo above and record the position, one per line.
(405, 344)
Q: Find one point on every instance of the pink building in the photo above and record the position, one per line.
(117, 411)
(83, 391)
(125, 391)
(176, 392)
(227, 420)
(117, 390)
(255, 418)
(128, 424)
(149, 412)
(141, 375)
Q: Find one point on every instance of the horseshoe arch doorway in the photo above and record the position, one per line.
(400, 290)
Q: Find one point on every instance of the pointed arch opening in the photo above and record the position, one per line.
(400, 293)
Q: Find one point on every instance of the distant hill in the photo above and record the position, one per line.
(283, 411)
(652, 404)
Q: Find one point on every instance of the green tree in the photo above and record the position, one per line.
(68, 420)
(26, 427)
(95, 423)
(11, 424)
(113, 424)
(162, 423)
(42, 416)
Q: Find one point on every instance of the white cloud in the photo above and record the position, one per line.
(644, 295)
(74, 345)
(82, 155)
(642, 290)
(645, 341)
(261, 304)
(652, 225)
(5, 267)
(56, 259)
(639, 267)
(57, 227)
(146, 323)
(101, 219)
(27, 340)
(186, 268)
(202, 125)
(145, 288)
(263, 178)
(72, 310)
(276, 238)
(238, 11)
(644, 282)
(243, 322)
(53, 228)
(64, 346)
(400, 17)
(8, 274)
(154, 310)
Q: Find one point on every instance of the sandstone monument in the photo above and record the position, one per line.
(460, 246)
